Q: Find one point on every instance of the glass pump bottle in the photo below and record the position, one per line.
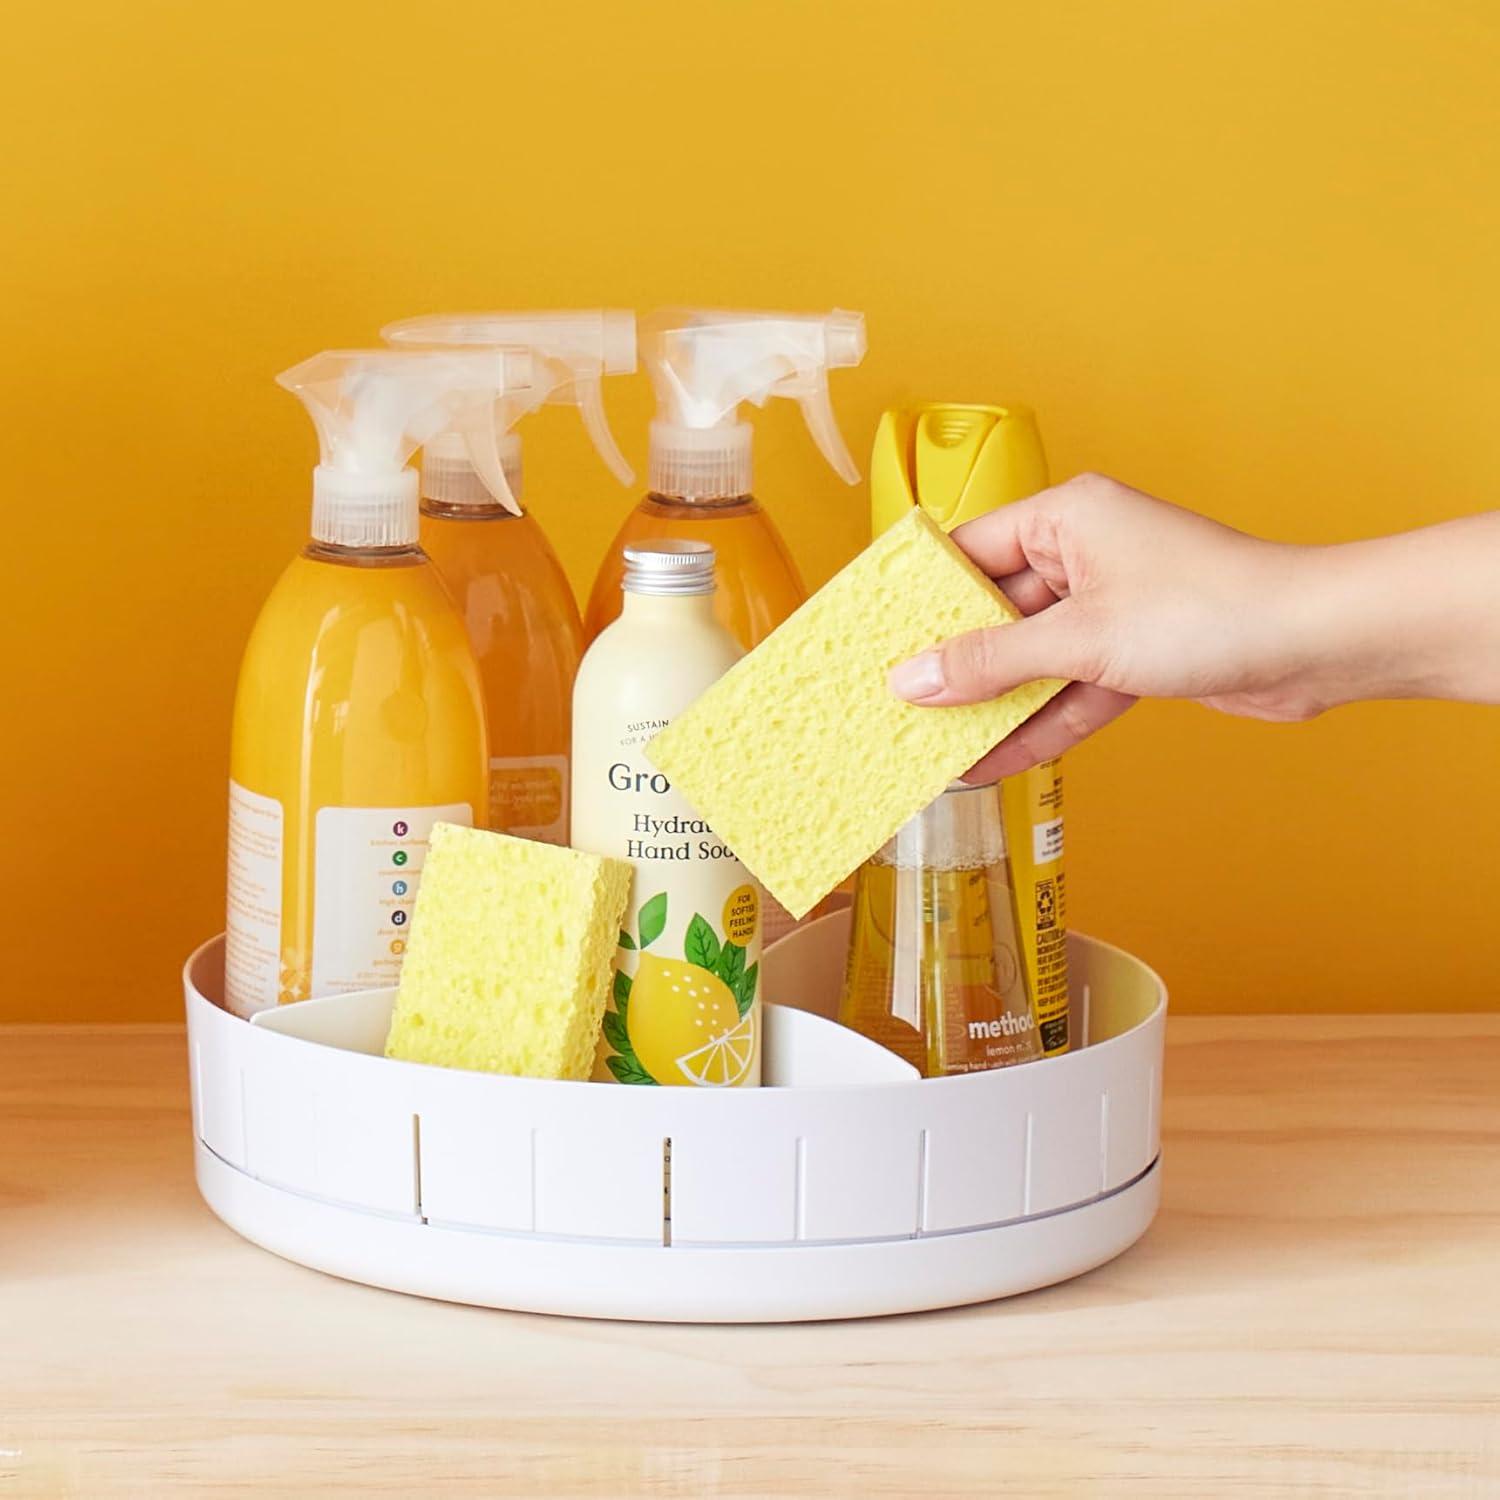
(935, 969)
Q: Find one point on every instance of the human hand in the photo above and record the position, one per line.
(1127, 597)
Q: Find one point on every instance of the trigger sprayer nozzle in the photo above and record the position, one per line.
(704, 364)
(846, 339)
(373, 408)
(571, 353)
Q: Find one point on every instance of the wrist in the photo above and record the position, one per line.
(1305, 658)
(1375, 624)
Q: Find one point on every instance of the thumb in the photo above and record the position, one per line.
(984, 664)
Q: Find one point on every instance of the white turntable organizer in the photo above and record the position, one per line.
(853, 1188)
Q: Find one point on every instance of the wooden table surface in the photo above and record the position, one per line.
(1315, 1312)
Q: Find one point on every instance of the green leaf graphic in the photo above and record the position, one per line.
(616, 1035)
(731, 963)
(628, 1070)
(701, 945)
(626, 941)
(653, 919)
(622, 990)
(744, 991)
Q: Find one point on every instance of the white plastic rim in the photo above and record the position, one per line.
(755, 1205)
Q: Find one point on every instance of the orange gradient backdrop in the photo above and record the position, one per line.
(1242, 254)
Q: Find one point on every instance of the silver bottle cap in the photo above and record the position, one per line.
(663, 567)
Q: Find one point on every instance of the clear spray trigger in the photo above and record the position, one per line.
(590, 398)
(372, 408)
(817, 412)
(481, 432)
(844, 347)
(705, 363)
(570, 351)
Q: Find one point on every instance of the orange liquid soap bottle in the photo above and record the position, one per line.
(358, 720)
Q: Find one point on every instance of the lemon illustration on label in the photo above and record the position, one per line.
(687, 1021)
(685, 1026)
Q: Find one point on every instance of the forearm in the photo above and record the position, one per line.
(1409, 616)
(1129, 597)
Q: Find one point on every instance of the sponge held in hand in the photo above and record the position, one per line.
(800, 756)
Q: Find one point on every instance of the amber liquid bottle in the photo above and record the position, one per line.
(705, 364)
(934, 970)
(527, 638)
(758, 584)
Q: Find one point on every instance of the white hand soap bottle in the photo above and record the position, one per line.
(686, 1004)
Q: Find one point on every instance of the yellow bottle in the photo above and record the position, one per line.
(957, 462)
(704, 365)
(358, 720)
(522, 619)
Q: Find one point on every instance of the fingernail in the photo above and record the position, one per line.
(918, 678)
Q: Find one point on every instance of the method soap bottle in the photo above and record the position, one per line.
(522, 619)
(704, 365)
(957, 462)
(934, 970)
(358, 720)
(686, 1005)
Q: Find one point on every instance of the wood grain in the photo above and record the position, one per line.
(1316, 1312)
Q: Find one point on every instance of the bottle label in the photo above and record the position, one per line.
(1034, 828)
(934, 970)
(958, 945)
(686, 1002)
(252, 944)
(529, 797)
(1047, 841)
(368, 864)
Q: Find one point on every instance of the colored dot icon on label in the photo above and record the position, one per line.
(399, 829)
(398, 946)
(399, 888)
(399, 857)
(399, 918)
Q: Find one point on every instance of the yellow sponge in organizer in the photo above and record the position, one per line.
(801, 758)
(508, 965)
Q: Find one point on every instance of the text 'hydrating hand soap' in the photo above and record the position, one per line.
(358, 720)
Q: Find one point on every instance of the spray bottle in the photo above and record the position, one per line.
(704, 365)
(957, 462)
(522, 619)
(358, 720)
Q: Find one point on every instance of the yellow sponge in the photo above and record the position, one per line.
(801, 758)
(508, 965)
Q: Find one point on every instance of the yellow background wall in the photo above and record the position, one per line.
(1243, 255)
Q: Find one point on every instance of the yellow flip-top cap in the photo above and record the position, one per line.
(953, 460)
